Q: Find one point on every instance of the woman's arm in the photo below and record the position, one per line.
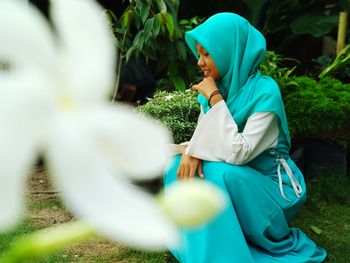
(216, 137)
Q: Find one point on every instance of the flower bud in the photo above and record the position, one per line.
(192, 203)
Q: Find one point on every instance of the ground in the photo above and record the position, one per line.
(45, 209)
(325, 218)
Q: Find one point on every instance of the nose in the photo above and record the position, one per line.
(201, 62)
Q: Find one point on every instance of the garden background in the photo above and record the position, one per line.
(156, 70)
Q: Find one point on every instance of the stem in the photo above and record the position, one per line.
(343, 17)
(119, 66)
(45, 241)
(341, 59)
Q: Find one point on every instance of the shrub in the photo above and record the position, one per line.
(314, 109)
(176, 110)
(317, 109)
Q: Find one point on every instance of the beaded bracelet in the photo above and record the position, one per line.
(212, 95)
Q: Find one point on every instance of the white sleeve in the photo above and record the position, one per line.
(201, 114)
(216, 137)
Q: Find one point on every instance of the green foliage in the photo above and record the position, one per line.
(150, 29)
(317, 109)
(300, 17)
(314, 108)
(284, 19)
(176, 110)
(338, 64)
(330, 186)
(273, 66)
(6, 238)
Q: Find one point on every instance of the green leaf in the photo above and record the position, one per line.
(178, 82)
(169, 22)
(182, 50)
(139, 4)
(148, 29)
(316, 25)
(111, 14)
(149, 53)
(126, 19)
(171, 7)
(255, 7)
(139, 41)
(129, 53)
(316, 230)
(156, 24)
(137, 21)
(162, 6)
(144, 12)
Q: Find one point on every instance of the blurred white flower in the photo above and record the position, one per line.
(53, 103)
(192, 203)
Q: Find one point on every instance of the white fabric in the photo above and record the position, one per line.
(216, 137)
(295, 184)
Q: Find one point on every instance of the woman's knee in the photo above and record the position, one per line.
(232, 174)
(171, 169)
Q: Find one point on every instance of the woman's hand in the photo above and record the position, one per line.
(206, 87)
(189, 165)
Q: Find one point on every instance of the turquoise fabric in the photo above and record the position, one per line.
(254, 226)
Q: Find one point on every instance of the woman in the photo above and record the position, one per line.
(241, 144)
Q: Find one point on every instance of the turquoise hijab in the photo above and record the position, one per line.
(237, 49)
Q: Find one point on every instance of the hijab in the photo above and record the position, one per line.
(237, 49)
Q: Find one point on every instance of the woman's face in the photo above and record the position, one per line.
(206, 63)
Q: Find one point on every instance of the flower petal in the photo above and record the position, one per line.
(98, 195)
(88, 57)
(26, 39)
(23, 96)
(16, 158)
(133, 143)
(192, 203)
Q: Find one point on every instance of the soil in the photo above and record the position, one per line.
(40, 190)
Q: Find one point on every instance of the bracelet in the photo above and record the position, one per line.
(216, 92)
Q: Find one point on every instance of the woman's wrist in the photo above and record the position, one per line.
(217, 98)
(214, 98)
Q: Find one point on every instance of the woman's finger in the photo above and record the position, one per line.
(195, 88)
(192, 171)
(185, 172)
(200, 170)
(179, 172)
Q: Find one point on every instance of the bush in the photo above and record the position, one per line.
(317, 109)
(176, 110)
(314, 109)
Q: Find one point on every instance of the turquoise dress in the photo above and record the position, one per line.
(264, 194)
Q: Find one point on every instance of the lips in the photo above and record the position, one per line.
(206, 73)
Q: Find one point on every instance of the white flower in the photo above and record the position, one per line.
(192, 203)
(53, 103)
(53, 92)
(169, 97)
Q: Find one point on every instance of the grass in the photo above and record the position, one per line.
(334, 222)
(7, 238)
(52, 203)
(327, 209)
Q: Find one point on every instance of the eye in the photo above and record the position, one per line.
(205, 54)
